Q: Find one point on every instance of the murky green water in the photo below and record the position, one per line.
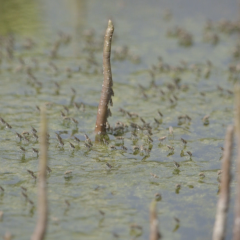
(125, 191)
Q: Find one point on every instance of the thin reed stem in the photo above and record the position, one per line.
(41, 225)
(236, 227)
(154, 232)
(222, 205)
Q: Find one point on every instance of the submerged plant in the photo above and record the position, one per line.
(107, 92)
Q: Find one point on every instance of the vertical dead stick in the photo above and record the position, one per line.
(7, 236)
(236, 227)
(154, 232)
(41, 226)
(107, 91)
(222, 205)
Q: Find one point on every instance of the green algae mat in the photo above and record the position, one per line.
(174, 71)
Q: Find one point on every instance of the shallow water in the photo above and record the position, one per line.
(125, 191)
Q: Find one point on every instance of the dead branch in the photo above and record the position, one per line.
(107, 91)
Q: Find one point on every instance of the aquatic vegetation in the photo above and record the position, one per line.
(165, 136)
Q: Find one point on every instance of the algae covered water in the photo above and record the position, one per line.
(173, 71)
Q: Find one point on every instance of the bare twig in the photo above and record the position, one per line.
(222, 206)
(41, 225)
(236, 227)
(107, 92)
(154, 232)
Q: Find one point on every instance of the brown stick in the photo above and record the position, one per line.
(154, 232)
(236, 227)
(41, 225)
(107, 92)
(7, 236)
(222, 206)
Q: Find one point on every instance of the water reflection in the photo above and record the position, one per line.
(27, 17)
(79, 15)
(18, 16)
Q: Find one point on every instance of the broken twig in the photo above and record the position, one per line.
(107, 92)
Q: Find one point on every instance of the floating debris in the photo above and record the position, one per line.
(8, 125)
(108, 165)
(32, 174)
(189, 153)
(72, 146)
(136, 226)
(170, 147)
(77, 139)
(178, 186)
(176, 219)
(184, 141)
(19, 136)
(171, 130)
(161, 115)
(23, 188)
(201, 174)
(158, 196)
(1, 215)
(124, 148)
(154, 175)
(67, 203)
(162, 138)
(101, 212)
(35, 151)
(206, 119)
(22, 148)
(33, 130)
(177, 165)
(68, 172)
